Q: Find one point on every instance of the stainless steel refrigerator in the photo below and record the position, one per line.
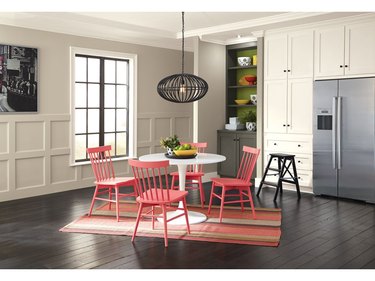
(344, 138)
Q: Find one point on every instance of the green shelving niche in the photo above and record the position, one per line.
(244, 93)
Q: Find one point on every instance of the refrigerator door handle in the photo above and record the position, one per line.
(334, 118)
(338, 137)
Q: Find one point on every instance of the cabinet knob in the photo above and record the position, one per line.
(346, 65)
(288, 70)
(274, 143)
(341, 66)
(284, 70)
(284, 125)
(288, 125)
(299, 161)
(299, 145)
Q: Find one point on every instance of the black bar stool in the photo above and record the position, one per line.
(284, 163)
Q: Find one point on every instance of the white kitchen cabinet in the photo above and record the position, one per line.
(288, 106)
(345, 51)
(289, 55)
(295, 144)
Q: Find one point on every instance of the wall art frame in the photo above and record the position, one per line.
(18, 79)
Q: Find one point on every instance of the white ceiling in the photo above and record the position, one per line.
(163, 29)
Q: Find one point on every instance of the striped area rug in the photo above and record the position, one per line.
(237, 227)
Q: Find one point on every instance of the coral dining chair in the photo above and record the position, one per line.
(194, 173)
(241, 183)
(151, 180)
(106, 180)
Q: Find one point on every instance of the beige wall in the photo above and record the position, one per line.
(209, 63)
(35, 148)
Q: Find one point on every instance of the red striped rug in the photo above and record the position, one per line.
(237, 227)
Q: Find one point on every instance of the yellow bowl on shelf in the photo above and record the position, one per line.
(241, 101)
(187, 152)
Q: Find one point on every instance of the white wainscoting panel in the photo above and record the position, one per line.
(162, 127)
(60, 134)
(61, 171)
(4, 135)
(154, 126)
(30, 136)
(4, 172)
(35, 151)
(30, 172)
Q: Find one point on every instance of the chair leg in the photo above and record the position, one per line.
(186, 215)
(222, 203)
(251, 203)
(93, 200)
(165, 225)
(117, 203)
(241, 199)
(137, 221)
(110, 197)
(211, 195)
(201, 190)
(153, 217)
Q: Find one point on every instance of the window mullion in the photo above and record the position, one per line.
(101, 104)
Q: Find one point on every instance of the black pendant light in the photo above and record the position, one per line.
(182, 88)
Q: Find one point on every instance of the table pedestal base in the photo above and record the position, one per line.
(194, 217)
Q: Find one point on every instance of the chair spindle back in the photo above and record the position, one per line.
(101, 162)
(248, 161)
(151, 179)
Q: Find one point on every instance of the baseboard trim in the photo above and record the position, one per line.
(288, 186)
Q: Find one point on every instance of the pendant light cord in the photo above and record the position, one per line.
(183, 41)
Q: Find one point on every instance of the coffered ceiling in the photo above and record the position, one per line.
(163, 29)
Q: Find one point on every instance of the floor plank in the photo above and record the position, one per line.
(317, 232)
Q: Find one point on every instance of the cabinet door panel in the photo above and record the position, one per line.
(329, 51)
(301, 54)
(275, 65)
(360, 46)
(300, 93)
(275, 106)
(227, 146)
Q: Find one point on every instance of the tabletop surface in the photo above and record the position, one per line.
(202, 158)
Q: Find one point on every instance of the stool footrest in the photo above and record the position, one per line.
(288, 181)
(270, 183)
(274, 169)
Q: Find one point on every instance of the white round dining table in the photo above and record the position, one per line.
(201, 158)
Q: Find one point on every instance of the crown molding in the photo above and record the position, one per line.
(344, 20)
(247, 24)
(259, 33)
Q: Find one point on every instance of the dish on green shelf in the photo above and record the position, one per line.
(241, 102)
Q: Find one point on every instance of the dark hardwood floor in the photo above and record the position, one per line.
(317, 232)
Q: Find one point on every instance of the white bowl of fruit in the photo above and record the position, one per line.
(185, 150)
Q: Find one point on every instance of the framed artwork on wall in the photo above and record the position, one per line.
(18, 79)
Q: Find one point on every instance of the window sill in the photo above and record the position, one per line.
(83, 163)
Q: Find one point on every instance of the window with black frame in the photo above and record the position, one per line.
(101, 105)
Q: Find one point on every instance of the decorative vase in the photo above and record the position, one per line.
(251, 126)
(169, 151)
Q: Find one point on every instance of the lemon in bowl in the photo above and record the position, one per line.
(185, 150)
(241, 102)
(189, 152)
